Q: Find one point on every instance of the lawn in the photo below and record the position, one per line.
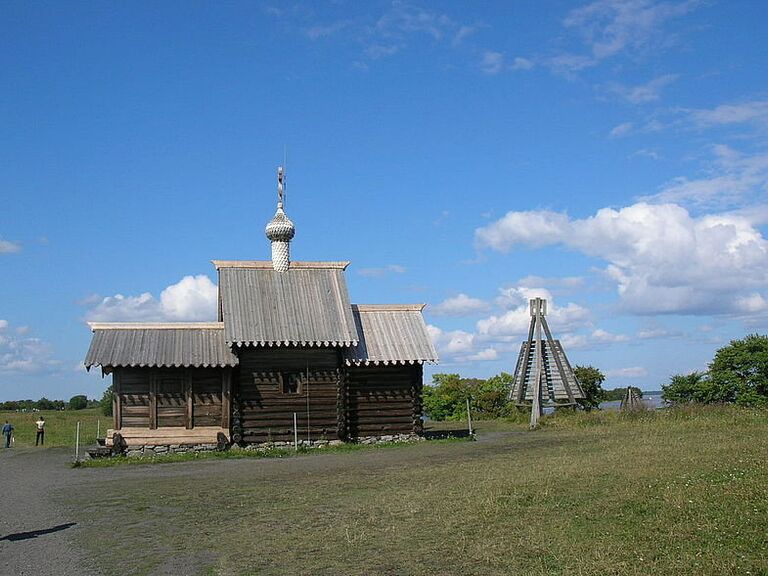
(664, 493)
(60, 426)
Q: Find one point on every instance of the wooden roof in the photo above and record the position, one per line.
(390, 334)
(308, 305)
(191, 344)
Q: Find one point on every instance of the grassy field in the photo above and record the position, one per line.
(663, 493)
(60, 426)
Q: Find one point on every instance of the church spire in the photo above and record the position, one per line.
(280, 229)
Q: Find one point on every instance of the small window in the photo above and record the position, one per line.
(290, 383)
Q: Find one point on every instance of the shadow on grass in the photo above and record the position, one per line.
(35, 533)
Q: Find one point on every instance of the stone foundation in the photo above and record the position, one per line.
(159, 450)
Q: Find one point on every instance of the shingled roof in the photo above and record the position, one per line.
(308, 305)
(390, 334)
(159, 345)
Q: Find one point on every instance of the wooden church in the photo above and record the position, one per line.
(288, 347)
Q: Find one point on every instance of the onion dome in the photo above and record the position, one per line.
(280, 228)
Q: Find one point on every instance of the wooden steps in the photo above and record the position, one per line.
(168, 436)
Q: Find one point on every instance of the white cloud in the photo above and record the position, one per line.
(643, 93)
(452, 342)
(460, 305)
(631, 372)
(484, 355)
(621, 130)
(661, 258)
(610, 26)
(19, 354)
(192, 298)
(604, 337)
(520, 63)
(755, 111)
(732, 178)
(492, 62)
(6, 246)
(514, 323)
(382, 271)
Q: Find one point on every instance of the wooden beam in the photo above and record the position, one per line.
(226, 398)
(153, 400)
(117, 406)
(189, 416)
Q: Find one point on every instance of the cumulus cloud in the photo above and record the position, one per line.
(605, 337)
(24, 354)
(451, 342)
(193, 298)
(513, 324)
(661, 258)
(460, 305)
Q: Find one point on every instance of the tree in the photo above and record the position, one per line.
(106, 401)
(490, 399)
(684, 388)
(446, 398)
(591, 380)
(78, 402)
(739, 371)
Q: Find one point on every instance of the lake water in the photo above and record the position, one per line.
(651, 401)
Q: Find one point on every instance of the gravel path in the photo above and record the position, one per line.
(37, 536)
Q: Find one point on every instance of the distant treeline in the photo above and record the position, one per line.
(618, 394)
(75, 403)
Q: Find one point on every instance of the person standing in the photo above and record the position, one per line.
(8, 433)
(40, 437)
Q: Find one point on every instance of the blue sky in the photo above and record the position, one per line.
(611, 156)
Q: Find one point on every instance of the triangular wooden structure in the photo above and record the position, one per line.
(631, 400)
(543, 375)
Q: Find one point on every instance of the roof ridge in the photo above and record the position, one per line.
(267, 265)
(156, 325)
(388, 307)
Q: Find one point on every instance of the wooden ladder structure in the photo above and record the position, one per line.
(543, 375)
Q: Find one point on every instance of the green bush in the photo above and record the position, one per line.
(591, 380)
(78, 402)
(446, 398)
(106, 401)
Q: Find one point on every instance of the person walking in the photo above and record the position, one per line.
(40, 431)
(8, 433)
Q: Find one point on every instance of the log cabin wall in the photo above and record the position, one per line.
(383, 400)
(272, 385)
(171, 397)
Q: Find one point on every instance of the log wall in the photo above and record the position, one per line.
(171, 397)
(383, 400)
(265, 406)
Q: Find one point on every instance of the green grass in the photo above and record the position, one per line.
(672, 492)
(60, 426)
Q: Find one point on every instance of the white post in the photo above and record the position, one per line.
(469, 417)
(77, 443)
(295, 433)
(98, 428)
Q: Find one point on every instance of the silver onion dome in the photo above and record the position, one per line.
(280, 228)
